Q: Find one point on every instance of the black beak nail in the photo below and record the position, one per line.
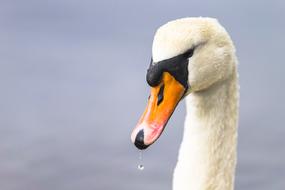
(139, 142)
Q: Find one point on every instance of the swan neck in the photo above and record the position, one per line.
(207, 156)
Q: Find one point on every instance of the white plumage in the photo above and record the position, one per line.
(207, 156)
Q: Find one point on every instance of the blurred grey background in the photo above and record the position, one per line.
(72, 83)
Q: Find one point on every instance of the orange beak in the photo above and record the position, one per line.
(161, 104)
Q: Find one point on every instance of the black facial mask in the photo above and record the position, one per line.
(177, 66)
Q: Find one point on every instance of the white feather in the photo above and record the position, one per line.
(207, 156)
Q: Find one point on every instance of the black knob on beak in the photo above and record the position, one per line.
(139, 142)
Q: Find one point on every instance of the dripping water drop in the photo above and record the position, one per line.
(140, 165)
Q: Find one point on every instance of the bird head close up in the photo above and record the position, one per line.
(188, 55)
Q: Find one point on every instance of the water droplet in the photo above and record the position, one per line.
(140, 155)
(140, 167)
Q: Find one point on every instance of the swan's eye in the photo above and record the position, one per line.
(177, 66)
(189, 53)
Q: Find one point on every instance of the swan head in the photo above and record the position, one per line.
(188, 55)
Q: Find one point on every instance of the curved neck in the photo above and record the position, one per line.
(207, 155)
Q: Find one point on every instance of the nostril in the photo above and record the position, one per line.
(139, 141)
(160, 95)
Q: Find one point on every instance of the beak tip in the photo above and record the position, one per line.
(139, 141)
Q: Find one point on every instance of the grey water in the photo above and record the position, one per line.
(72, 87)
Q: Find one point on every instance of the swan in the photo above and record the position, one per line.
(194, 59)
